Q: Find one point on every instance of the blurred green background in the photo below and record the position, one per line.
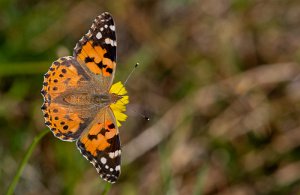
(219, 79)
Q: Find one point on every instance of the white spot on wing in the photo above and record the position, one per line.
(111, 155)
(103, 160)
(112, 27)
(99, 35)
(93, 26)
(118, 168)
(117, 152)
(89, 34)
(108, 41)
(114, 154)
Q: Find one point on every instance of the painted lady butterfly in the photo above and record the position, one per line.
(80, 102)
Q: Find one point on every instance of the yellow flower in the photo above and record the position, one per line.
(119, 107)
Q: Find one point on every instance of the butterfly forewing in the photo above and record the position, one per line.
(96, 50)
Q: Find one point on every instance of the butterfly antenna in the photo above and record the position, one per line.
(133, 69)
(142, 115)
(125, 82)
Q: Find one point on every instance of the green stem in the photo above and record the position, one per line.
(15, 180)
(106, 189)
(200, 180)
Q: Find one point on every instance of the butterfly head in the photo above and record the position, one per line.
(115, 97)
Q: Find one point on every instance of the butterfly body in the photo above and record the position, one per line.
(80, 102)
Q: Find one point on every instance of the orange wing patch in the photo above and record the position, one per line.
(64, 125)
(93, 57)
(98, 136)
(61, 75)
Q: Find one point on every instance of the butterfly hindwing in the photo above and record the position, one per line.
(100, 144)
(96, 50)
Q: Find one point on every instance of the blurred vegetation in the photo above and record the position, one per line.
(219, 80)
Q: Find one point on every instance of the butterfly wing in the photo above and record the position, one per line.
(96, 50)
(100, 144)
(66, 121)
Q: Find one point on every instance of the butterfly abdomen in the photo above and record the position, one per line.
(88, 99)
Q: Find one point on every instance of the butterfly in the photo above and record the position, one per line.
(80, 102)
